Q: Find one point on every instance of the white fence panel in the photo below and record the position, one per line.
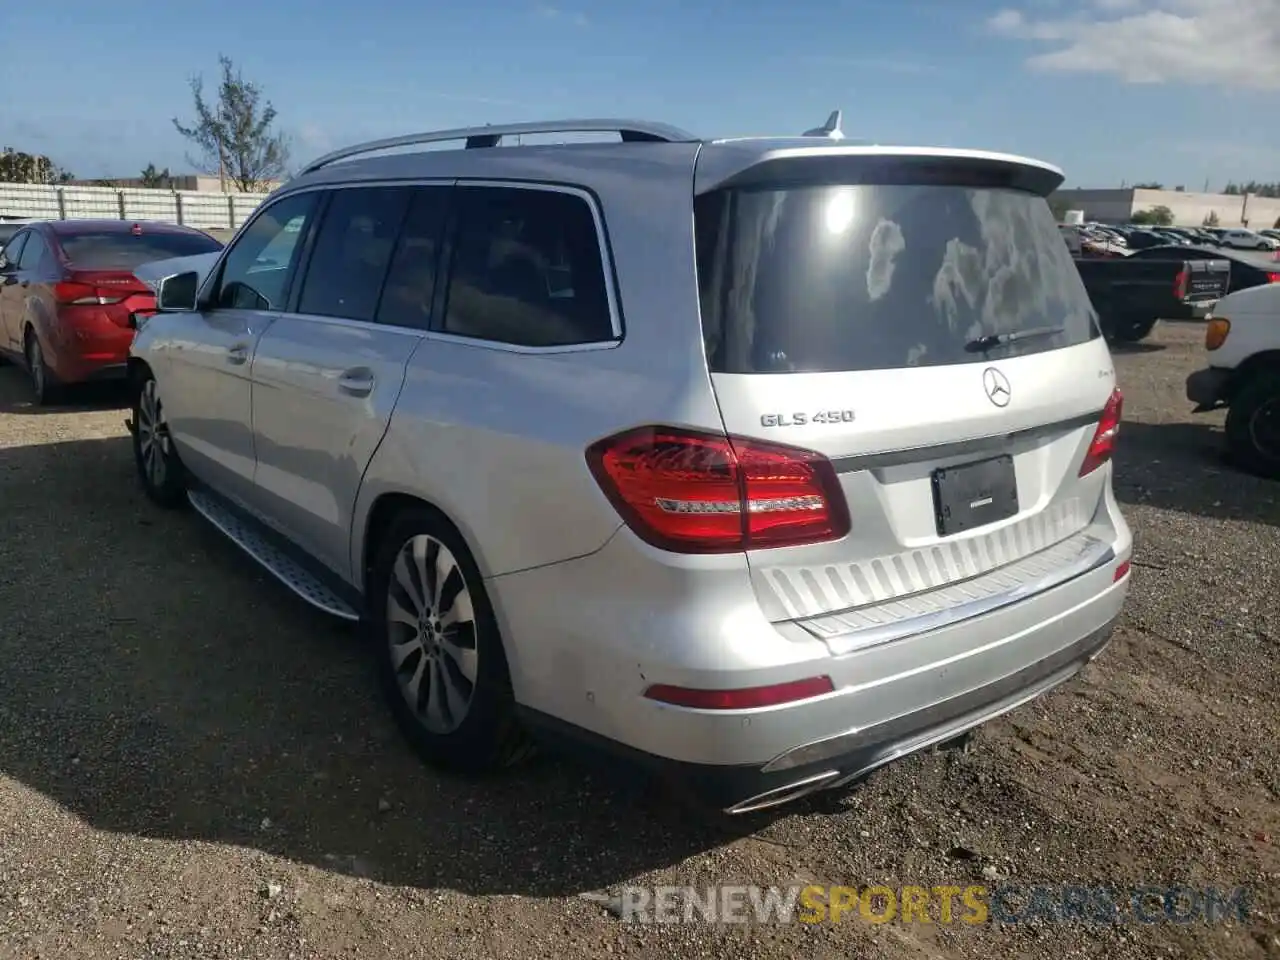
(90, 203)
(200, 209)
(205, 209)
(29, 200)
(245, 204)
(150, 205)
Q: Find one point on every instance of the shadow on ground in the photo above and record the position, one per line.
(1184, 467)
(1142, 346)
(16, 396)
(157, 684)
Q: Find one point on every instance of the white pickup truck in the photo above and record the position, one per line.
(1242, 338)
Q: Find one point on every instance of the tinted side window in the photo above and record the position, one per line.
(527, 269)
(411, 284)
(257, 266)
(352, 252)
(33, 252)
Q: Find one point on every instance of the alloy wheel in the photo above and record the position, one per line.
(153, 435)
(432, 634)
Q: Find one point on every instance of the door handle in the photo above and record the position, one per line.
(357, 382)
(238, 354)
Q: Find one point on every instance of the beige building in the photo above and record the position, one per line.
(1189, 209)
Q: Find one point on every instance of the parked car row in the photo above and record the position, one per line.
(1095, 239)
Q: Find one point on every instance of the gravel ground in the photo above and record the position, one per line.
(192, 764)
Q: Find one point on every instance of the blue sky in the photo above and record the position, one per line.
(1170, 90)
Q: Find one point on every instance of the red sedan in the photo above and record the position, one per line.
(69, 301)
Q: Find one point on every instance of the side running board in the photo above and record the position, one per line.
(278, 563)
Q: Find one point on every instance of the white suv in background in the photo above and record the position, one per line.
(1247, 240)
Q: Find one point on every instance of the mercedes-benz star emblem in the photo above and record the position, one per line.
(997, 386)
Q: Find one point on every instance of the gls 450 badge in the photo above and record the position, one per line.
(804, 419)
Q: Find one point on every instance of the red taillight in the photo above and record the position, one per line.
(743, 698)
(694, 492)
(73, 292)
(1122, 571)
(1273, 278)
(1103, 443)
(1183, 281)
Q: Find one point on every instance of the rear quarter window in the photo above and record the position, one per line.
(527, 269)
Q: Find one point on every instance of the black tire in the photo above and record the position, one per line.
(1253, 425)
(160, 471)
(488, 736)
(44, 385)
(1130, 329)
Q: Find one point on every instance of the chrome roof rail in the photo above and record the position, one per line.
(491, 135)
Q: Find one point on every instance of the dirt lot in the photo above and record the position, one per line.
(192, 764)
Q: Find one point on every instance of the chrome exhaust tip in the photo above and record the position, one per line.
(784, 794)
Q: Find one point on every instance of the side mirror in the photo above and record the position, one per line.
(178, 292)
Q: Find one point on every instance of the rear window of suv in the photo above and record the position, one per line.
(820, 278)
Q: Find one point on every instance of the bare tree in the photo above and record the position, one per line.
(234, 133)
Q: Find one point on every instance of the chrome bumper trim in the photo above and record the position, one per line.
(948, 718)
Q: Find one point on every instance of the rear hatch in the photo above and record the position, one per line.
(920, 323)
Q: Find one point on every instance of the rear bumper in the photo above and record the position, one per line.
(580, 669)
(90, 351)
(843, 758)
(1208, 388)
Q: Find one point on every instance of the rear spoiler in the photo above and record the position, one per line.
(152, 273)
(806, 160)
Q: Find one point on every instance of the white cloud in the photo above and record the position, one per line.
(1230, 43)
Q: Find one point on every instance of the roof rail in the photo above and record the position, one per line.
(491, 135)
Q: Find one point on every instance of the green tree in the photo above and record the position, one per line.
(156, 179)
(1059, 208)
(17, 166)
(1160, 216)
(1255, 187)
(1148, 186)
(1211, 219)
(234, 133)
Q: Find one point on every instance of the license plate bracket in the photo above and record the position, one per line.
(974, 494)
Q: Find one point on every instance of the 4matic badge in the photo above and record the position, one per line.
(804, 419)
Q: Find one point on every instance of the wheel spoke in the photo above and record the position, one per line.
(456, 697)
(405, 579)
(420, 547)
(400, 652)
(459, 611)
(396, 613)
(444, 568)
(413, 688)
(464, 657)
(436, 706)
